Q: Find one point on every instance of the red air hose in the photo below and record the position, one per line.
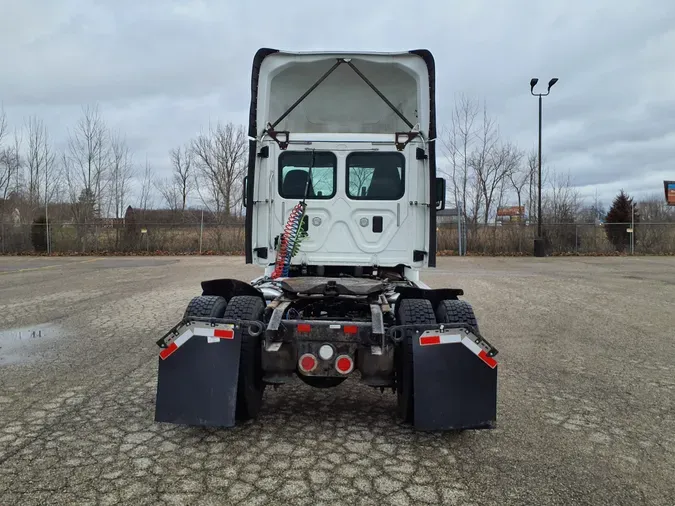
(289, 241)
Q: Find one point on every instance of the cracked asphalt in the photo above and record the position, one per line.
(586, 410)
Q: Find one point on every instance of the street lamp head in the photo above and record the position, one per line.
(552, 82)
(533, 83)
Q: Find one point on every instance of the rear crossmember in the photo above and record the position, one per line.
(326, 331)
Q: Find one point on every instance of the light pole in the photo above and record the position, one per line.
(539, 240)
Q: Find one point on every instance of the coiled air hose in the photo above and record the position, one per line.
(293, 233)
(289, 243)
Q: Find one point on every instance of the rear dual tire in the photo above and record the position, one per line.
(206, 306)
(250, 386)
(409, 312)
(456, 311)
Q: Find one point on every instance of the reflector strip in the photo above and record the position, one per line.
(439, 339)
(227, 333)
(224, 333)
(208, 332)
(304, 327)
(428, 338)
(469, 343)
(487, 359)
(351, 329)
(166, 352)
(480, 352)
(177, 343)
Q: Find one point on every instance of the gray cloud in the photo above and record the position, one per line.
(161, 69)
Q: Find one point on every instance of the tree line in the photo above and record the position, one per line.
(95, 173)
(487, 171)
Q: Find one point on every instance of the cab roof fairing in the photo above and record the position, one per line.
(283, 77)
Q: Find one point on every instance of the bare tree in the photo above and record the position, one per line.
(459, 145)
(6, 157)
(561, 202)
(487, 176)
(121, 174)
(72, 186)
(169, 192)
(19, 163)
(145, 201)
(39, 159)
(182, 160)
(52, 172)
(532, 168)
(88, 159)
(3, 125)
(493, 174)
(176, 189)
(654, 209)
(10, 168)
(520, 176)
(594, 212)
(560, 208)
(220, 157)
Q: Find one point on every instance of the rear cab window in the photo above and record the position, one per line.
(293, 171)
(375, 176)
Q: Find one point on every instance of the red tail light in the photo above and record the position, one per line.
(304, 327)
(344, 364)
(307, 362)
(351, 329)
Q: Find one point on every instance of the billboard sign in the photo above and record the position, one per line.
(511, 211)
(669, 187)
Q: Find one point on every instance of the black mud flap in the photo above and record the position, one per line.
(198, 375)
(455, 381)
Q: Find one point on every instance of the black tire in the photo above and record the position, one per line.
(456, 311)
(206, 306)
(251, 387)
(409, 312)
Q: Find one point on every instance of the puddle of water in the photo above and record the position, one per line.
(19, 345)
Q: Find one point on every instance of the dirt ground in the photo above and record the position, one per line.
(586, 410)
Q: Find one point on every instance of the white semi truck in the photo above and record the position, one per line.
(341, 198)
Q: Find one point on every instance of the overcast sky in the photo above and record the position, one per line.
(162, 69)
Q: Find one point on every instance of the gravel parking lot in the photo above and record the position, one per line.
(586, 395)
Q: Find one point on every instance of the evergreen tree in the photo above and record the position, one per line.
(38, 233)
(87, 209)
(618, 220)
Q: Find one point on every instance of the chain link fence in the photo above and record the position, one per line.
(560, 238)
(210, 238)
(165, 238)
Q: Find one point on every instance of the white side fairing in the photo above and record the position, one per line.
(367, 200)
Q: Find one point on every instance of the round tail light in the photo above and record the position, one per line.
(344, 364)
(326, 352)
(308, 362)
